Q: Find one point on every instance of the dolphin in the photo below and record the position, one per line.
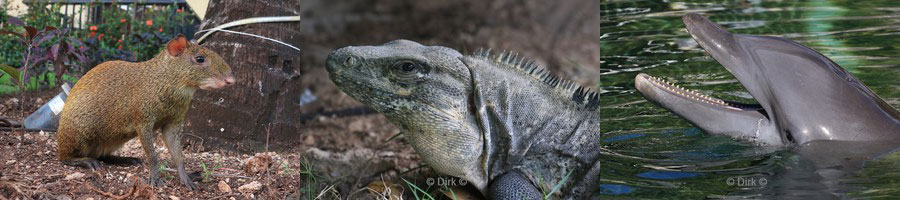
(803, 96)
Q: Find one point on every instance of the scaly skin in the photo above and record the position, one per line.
(478, 117)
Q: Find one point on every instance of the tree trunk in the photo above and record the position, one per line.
(239, 117)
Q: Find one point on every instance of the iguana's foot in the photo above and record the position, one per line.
(513, 185)
(89, 163)
(120, 160)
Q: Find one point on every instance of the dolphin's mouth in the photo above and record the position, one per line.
(690, 95)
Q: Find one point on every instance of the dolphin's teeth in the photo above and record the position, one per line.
(687, 93)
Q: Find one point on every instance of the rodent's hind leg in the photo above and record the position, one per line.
(120, 160)
(85, 162)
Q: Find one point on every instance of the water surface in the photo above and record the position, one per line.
(658, 155)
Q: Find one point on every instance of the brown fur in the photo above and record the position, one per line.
(117, 101)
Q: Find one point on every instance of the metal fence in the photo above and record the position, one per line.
(83, 13)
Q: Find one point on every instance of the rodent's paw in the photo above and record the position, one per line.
(190, 185)
(155, 182)
(91, 164)
(119, 160)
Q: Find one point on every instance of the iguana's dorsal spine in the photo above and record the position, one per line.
(580, 94)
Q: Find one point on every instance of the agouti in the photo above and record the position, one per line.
(117, 101)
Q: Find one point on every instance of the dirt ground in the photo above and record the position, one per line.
(29, 168)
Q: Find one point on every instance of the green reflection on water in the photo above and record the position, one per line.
(648, 36)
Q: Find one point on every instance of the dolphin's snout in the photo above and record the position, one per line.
(707, 33)
(642, 84)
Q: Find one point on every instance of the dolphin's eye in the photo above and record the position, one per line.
(406, 70)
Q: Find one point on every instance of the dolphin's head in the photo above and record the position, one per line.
(802, 95)
(785, 77)
(728, 50)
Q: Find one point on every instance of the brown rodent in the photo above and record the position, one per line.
(117, 101)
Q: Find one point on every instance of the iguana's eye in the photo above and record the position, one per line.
(407, 66)
(409, 70)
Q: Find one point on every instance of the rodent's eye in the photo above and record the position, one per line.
(199, 59)
(409, 70)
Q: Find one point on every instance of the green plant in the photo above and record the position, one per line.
(50, 45)
(448, 190)
(548, 195)
(416, 190)
(3, 13)
(312, 183)
(164, 170)
(286, 169)
(207, 172)
(122, 36)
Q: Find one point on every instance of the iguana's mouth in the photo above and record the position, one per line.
(689, 95)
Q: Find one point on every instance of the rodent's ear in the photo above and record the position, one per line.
(177, 45)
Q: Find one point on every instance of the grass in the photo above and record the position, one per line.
(286, 169)
(549, 194)
(208, 172)
(312, 183)
(163, 171)
(452, 193)
(556, 187)
(416, 190)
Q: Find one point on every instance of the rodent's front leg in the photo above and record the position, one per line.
(172, 137)
(147, 137)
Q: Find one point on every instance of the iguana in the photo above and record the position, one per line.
(500, 122)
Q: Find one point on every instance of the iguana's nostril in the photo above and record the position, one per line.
(340, 60)
(351, 61)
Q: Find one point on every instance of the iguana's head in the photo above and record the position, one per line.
(425, 91)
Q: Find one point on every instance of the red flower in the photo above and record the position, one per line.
(149, 22)
(120, 41)
(179, 10)
(122, 21)
(92, 34)
(120, 47)
(99, 37)
(93, 28)
(160, 30)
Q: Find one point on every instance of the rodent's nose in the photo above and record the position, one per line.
(229, 80)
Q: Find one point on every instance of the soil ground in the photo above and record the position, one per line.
(29, 168)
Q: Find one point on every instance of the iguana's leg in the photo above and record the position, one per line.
(513, 185)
